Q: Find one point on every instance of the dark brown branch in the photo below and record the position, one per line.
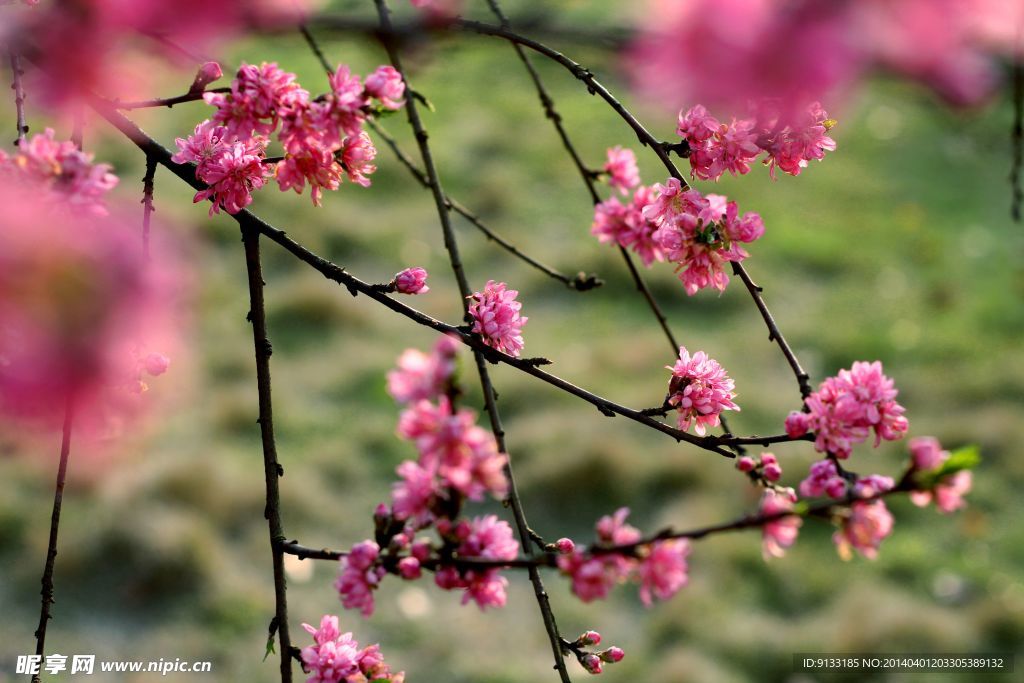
(19, 94)
(490, 399)
(272, 468)
(51, 552)
(147, 202)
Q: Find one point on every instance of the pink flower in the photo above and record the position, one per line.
(318, 167)
(156, 364)
(452, 446)
(336, 657)
(412, 281)
(781, 533)
(662, 571)
(868, 524)
(79, 311)
(413, 497)
(486, 538)
(257, 93)
(357, 155)
(627, 226)
(700, 390)
(824, 479)
(927, 453)
(873, 485)
(697, 126)
(847, 407)
(59, 168)
(360, 575)
(207, 74)
(621, 169)
(797, 424)
(496, 317)
(348, 101)
(423, 376)
(203, 147)
(807, 139)
(947, 492)
(386, 84)
(232, 175)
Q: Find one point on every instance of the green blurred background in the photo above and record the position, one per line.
(897, 247)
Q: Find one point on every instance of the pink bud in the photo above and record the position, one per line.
(156, 364)
(208, 73)
(797, 424)
(412, 281)
(409, 568)
(835, 487)
(926, 452)
(592, 663)
(421, 550)
(589, 638)
(565, 545)
(745, 464)
(772, 472)
(768, 459)
(612, 655)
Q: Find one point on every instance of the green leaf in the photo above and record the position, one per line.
(965, 458)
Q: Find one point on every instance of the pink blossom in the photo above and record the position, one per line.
(627, 226)
(252, 106)
(947, 492)
(847, 407)
(824, 479)
(232, 175)
(360, 575)
(594, 575)
(206, 144)
(700, 390)
(621, 169)
(486, 538)
(770, 467)
(156, 364)
(60, 169)
(423, 376)
(697, 126)
(207, 74)
(662, 570)
(873, 485)
(348, 101)
(781, 533)
(357, 155)
(386, 84)
(80, 312)
(414, 496)
(805, 140)
(797, 424)
(318, 167)
(745, 464)
(412, 281)
(336, 657)
(496, 317)
(868, 524)
(462, 454)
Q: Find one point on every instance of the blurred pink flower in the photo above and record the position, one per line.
(778, 534)
(823, 479)
(359, 577)
(486, 538)
(662, 570)
(386, 84)
(866, 526)
(423, 376)
(621, 169)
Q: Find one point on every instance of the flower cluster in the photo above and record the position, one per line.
(700, 234)
(699, 390)
(848, 407)
(593, 662)
(948, 490)
(422, 376)
(863, 528)
(322, 137)
(62, 171)
(337, 658)
(790, 144)
(486, 538)
(496, 318)
(660, 567)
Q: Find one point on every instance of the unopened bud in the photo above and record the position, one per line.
(207, 74)
(592, 663)
(589, 638)
(612, 655)
(565, 545)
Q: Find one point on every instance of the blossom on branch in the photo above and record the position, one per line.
(778, 534)
(621, 169)
(699, 390)
(496, 317)
(336, 657)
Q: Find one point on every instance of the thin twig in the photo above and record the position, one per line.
(1017, 136)
(490, 400)
(19, 94)
(51, 552)
(272, 468)
(168, 101)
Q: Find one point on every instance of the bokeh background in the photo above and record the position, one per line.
(898, 247)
